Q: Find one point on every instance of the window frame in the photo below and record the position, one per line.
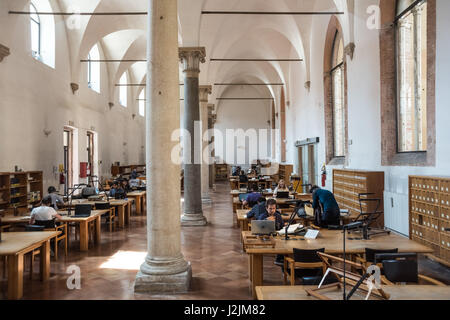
(337, 66)
(37, 55)
(397, 19)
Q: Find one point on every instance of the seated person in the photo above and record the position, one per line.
(252, 199)
(133, 174)
(258, 209)
(113, 190)
(281, 187)
(126, 186)
(56, 198)
(243, 177)
(236, 171)
(272, 214)
(44, 215)
(331, 213)
(252, 174)
(134, 183)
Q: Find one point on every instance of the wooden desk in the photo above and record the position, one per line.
(409, 292)
(84, 222)
(331, 240)
(122, 207)
(139, 200)
(16, 220)
(14, 246)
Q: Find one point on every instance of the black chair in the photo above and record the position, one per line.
(369, 256)
(110, 216)
(402, 268)
(305, 265)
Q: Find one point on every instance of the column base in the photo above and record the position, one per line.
(193, 220)
(158, 284)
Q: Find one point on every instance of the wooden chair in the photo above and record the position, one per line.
(110, 215)
(402, 268)
(307, 261)
(61, 237)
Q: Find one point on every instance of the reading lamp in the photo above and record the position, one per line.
(298, 205)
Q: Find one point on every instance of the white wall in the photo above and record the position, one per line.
(242, 114)
(34, 97)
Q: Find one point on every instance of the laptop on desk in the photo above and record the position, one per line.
(283, 195)
(263, 227)
(83, 210)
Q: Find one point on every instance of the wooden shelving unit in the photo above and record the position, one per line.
(126, 170)
(348, 184)
(20, 189)
(429, 214)
(221, 171)
(285, 172)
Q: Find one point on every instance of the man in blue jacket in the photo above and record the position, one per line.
(324, 199)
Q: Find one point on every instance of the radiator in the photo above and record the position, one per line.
(396, 212)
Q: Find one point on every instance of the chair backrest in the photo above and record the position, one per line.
(399, 267)
(45, 224)
(307, 256)
(370, 253)
(102, 205)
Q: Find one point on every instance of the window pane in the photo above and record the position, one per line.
(338, 50)
(123, 90)
(35, 37)
(338, 112)
(94, 69)
(412, 81)
(142, 103)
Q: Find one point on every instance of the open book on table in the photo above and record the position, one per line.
(292, 229)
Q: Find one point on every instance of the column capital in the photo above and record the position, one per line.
(204, 91)
(4, 52)
(191, 57)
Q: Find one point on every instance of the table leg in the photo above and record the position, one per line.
(98, 229)
(121, 216)
(257, 272)
(45, 261)
(84, 236)
(15, 277)
(127, 218)
(138, 205)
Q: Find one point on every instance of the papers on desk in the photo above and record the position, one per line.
(292, 229)
(344, 212)
(311, 234)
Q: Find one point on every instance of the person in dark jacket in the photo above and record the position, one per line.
(271, 213)
(331, 213)
(258, 210)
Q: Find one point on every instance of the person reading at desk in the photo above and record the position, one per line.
(252, 199)
(324, 199)
(56, 198)
(272, 214)
(44, 215)
(281, 187)
(243, 177)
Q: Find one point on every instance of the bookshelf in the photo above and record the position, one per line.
(126, 170)
(429, 214)
(347, 184)
(285, 172)
(221, 171)
(20, 189)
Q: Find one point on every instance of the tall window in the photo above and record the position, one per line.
(35, 22)
(123, 90)
(337, 85)
(411, 76)
(142, 103)
(94, 69)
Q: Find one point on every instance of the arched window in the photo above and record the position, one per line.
(338, 95)
(35, 22)
(411, 76)
(42, 29)
(142, 103)
(123, 90)
(94, 69)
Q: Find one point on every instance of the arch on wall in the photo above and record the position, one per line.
(334, 30)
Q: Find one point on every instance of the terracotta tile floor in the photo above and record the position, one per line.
(220, 268)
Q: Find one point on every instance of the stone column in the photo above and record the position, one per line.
(204, 92)
(165, 270)
(193, 213)
(211, 141)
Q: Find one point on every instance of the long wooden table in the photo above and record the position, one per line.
(122, 207)
(409, 292)
(331, 240)
(139, 199)
(14, 246)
